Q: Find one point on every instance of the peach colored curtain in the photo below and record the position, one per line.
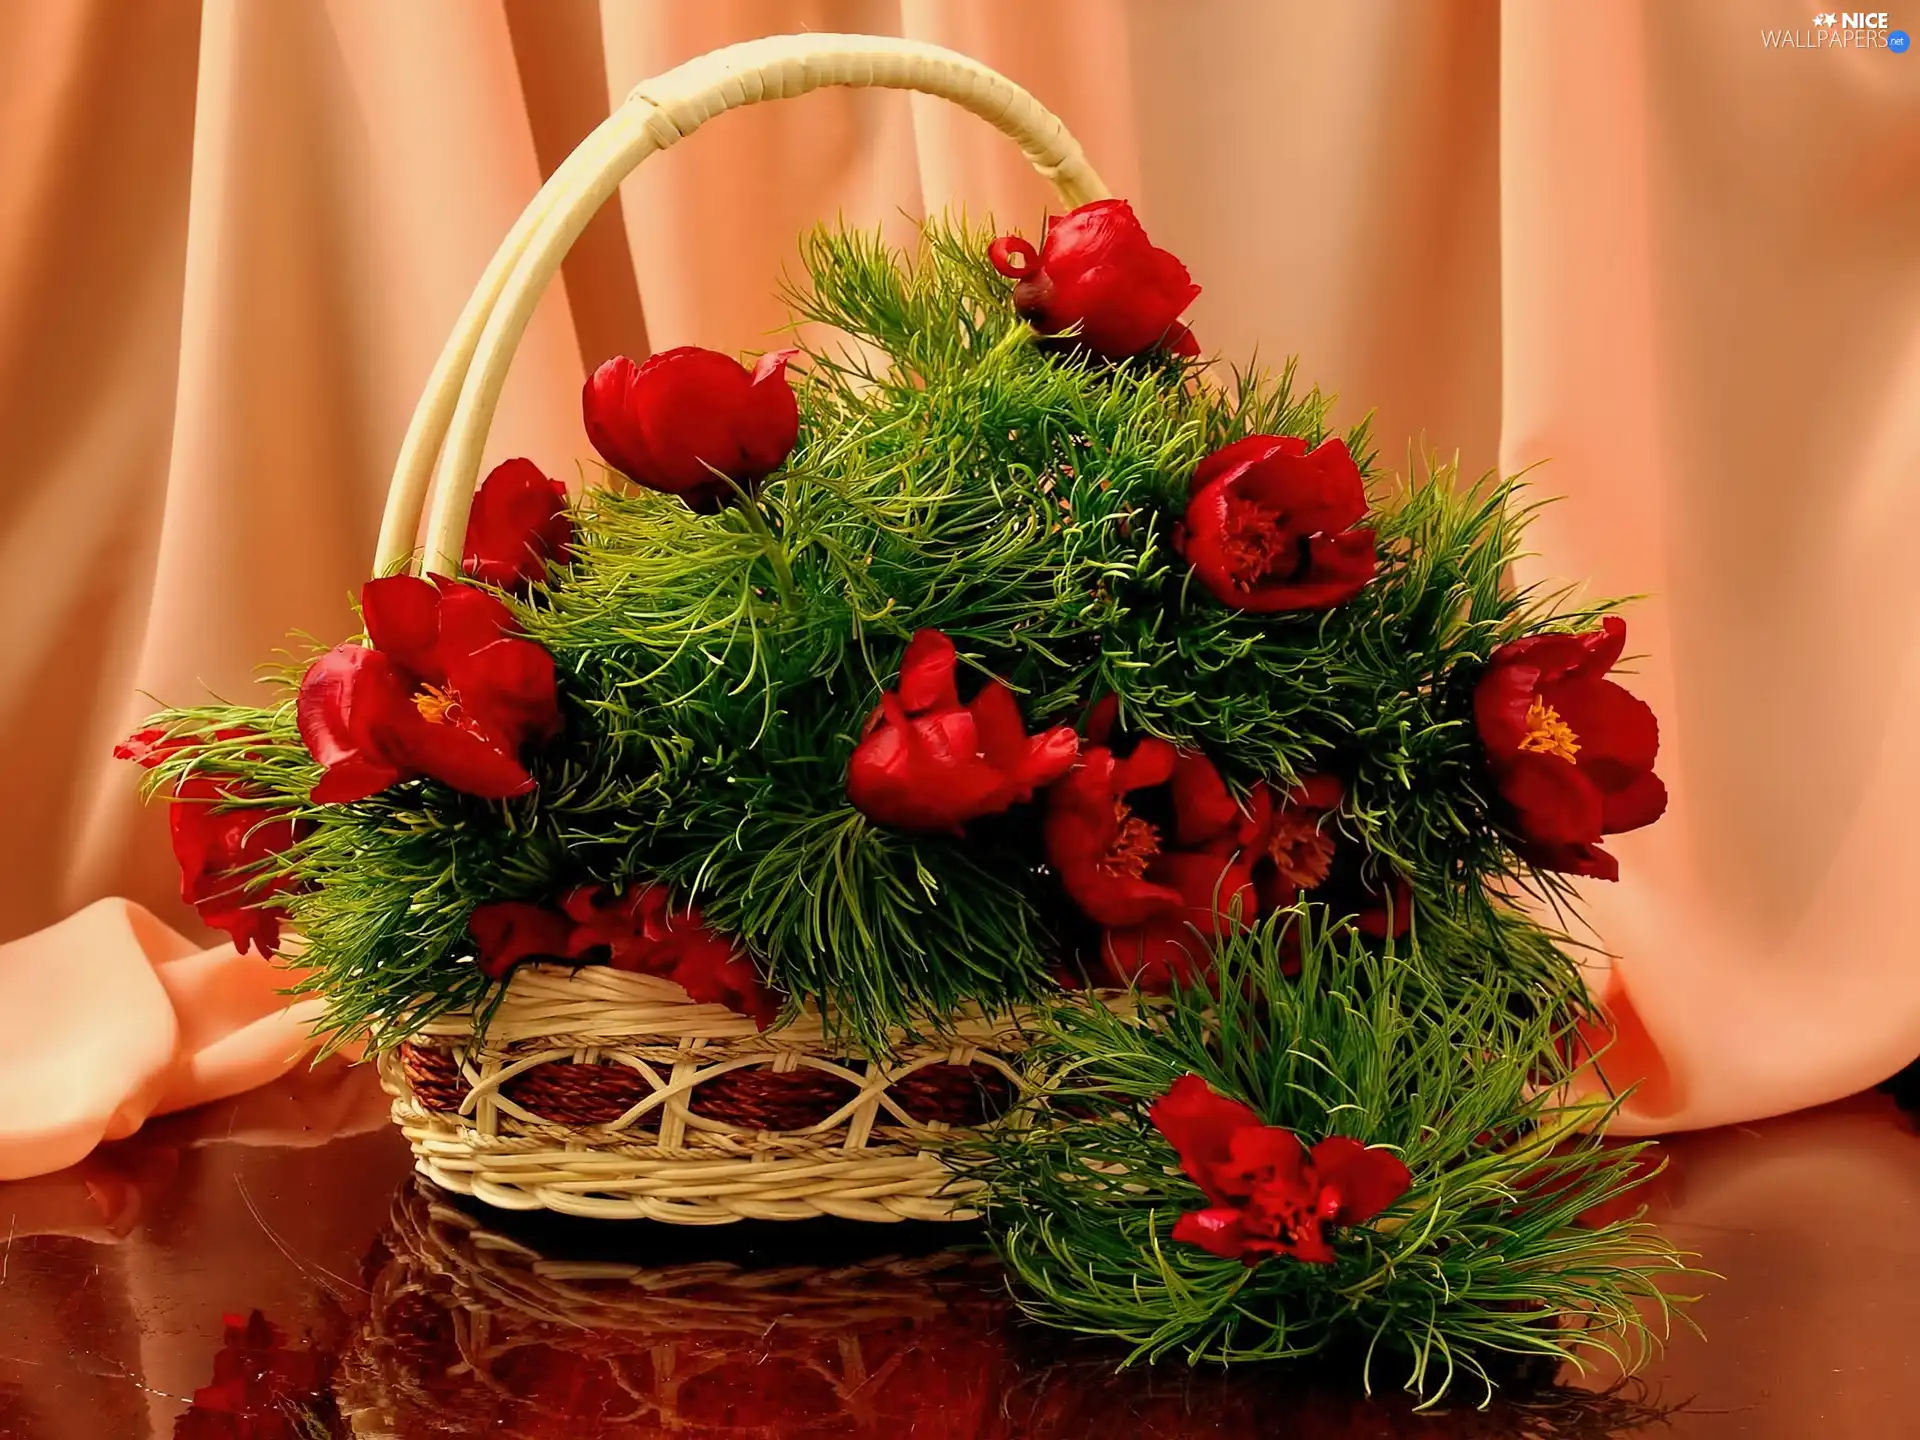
(1628, 239)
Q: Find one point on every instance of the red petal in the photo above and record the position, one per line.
(1003, 734)
(922, 774)
(1241, 454)
(927, 673)
(1588, 860)
(146, 748)
(355, 779)
(1563, 657)
(470, 619)
(1204, 810)
(472, 764)
(1268, 1158)
(1217, 1230)
(1553, 803)
(611, 423)
(508, 688)
(351, 698)
(1617, 732)
(1641, 801)
(1200, 1124)
(1101, 719)
(402, 614)
(1368, 1178)
(1501, 700)
(770, 421)
(1159, 954)
(1150, 764)
(1006, 249)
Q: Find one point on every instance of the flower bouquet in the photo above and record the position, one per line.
(988, 672)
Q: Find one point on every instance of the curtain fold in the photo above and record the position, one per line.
(1628, 240)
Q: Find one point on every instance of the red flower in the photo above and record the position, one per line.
(1267, 1194)
(1298, 842)
(518, 526)
(927, 762)
(638, 930)
(1164, 888)
(688, 413)
(1268, 525)
(223, 847)
(225, 857)
(1096, 269)
(1175, 946)
(1571, 752)
(446, 691)
(506, 932)
(1098, 846)
(1300, 852)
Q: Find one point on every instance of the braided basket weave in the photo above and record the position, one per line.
(469, 1331)
(611, 1094)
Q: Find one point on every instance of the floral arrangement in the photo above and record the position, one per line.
(987, 648)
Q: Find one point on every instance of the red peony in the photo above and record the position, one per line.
(1298, 841)
(1163, 887)
(506, 932)
(1175, 946)
(638, 930)
(1097, 271)
(1269, 525)
(1267, 1194)
(225, 857)
(1099, 846)
(1300, 853)
(446, 691)
(689, 417)
(927, 762)
(224, 848)
(517, 528)
(1571, 751)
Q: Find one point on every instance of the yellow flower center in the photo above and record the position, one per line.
(437, 706)
(1547, 733)
(1134, 847)
(1301, 850)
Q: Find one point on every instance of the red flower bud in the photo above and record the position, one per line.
(927, 762)
(1571, 751)
(1097, 274)
(446, 691)
(518, 526)
(1267, 1194)
(690, 420)
(1268, 527)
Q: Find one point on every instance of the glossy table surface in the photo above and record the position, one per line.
(266, 1267)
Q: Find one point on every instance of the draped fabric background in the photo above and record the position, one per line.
(1624, 238)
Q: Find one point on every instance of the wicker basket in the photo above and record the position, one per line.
(611, 1094)
(471, 1332)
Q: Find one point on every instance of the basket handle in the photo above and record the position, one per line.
(457, 407)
